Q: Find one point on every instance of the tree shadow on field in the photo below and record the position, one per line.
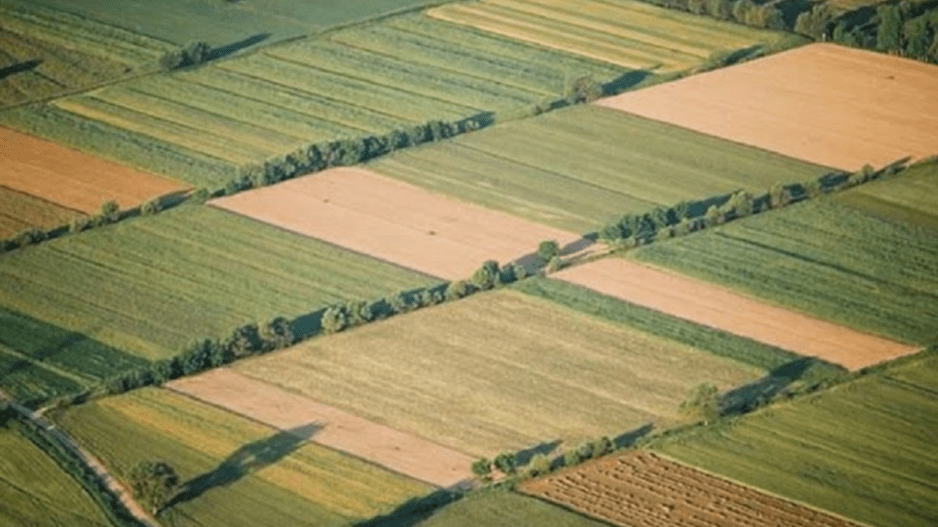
(790, 10)
(625, 82)
(631, 437)
(234, 47)
(413, 511)
(750, 396)
(245, 460)
(19, 67)
(524, 456)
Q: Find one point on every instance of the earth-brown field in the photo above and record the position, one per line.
(394, 221)
(19, 211)
(720, 308)
(73, 179)
(399, 451)
(642, 489)
(823, 103)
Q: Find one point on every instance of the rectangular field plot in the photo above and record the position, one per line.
(37, 492)
(362, 81)
(503, 509)
(20, 211)
(151, 285)
(235, 472)
(264, 403)
(823, 103)
(864, 450)
(824, 259)
(499, 371)
(729, 311)
(909, 199)
(71, 179)
(581, 167)
(641, 488)
(394, 221)
(622, 32)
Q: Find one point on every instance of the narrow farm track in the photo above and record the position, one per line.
(114, 485)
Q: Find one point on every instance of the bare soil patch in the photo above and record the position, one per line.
(641, 488)
(831, 105)
(394, 221)
(399, 451)
(732, 312)
(73, 179)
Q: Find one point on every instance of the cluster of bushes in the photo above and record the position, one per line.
(513, 472)
(189, 55)
(906, 28)
(685, 217)
(72, 463)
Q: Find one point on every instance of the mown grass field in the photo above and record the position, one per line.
(19, 211)
(504, 509)
(627, 33)
(581, 167)
(37, 492)
(865, 450)
(499, 371)
(200, 125)
(908, 199)
(825, 259)
(235, 472)
(150, 285)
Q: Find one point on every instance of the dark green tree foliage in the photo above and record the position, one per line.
(482, 467)
(917, 38)
(334, 319)
(506, 462)
(278, 333)
(457, 289)
(486, 277)
(154, 483)
(189, 55)
(889, 31)
(547, 249)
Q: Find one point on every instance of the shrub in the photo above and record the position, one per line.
(547, 249)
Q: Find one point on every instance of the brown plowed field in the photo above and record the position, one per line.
(394, 221)
(723, 309)
(19, 211)
(401, 452)
(831, 105)
(71, 178)
(641, 489)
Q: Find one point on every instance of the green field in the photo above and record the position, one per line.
(239, 473)
(823, 258)
(36, 492)
(628, 33)
(865, 450)
(504, 509)
(200, 125)
(498, 371)
(581, 167)
(149, 286)
(218, 22)
(909, 198)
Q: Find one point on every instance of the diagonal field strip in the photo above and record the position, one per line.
(397, 222)
(732, 312)
(398, 451)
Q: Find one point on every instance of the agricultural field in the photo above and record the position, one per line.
(499, 371)
(908, 199)
(235, 472)
(134, 285)
(864, 450)
(264, 403)
(627, 33)
(823, 103)
(20, 211)
(581, 167)
(642, 488)
(717, 307)
(37, 492)
(70, 179)
(822, 258)
(202, 124)
(504, 509)
(362, 211)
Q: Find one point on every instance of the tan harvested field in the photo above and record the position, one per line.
(394, 221)
(827, 104)
(640, 488)
(732, 312)
(401, 452)
(72, 179)
(499, 371)
(19, 211)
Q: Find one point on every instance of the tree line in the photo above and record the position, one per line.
(906, 28)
